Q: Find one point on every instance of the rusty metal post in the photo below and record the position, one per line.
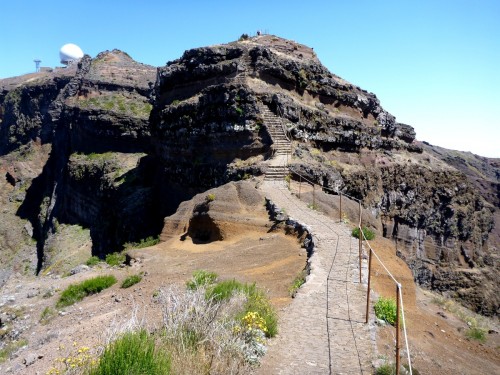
(300, 183)
(398, 286)
(340, 209)
(368, 290)
(360, 252)
(360, 242)
(314, 195)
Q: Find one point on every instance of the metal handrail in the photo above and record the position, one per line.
(283, 127)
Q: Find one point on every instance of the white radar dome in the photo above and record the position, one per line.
(70, 53)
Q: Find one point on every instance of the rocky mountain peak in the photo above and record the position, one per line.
(129, 142)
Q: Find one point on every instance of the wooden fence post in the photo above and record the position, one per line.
(360, 242)
(398, 286)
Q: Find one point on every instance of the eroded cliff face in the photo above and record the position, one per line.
(128, 143)
(209, 106)
(94, 118)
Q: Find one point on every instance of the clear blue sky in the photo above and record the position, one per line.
(434, 64)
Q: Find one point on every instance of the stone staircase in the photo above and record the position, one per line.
(282, 146)
(276, 172)
(244, 70)
(281, 143)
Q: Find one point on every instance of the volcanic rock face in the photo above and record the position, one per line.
(95, 117)
(127, 144)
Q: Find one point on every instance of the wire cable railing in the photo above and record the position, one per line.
(329, 278)
(362, 238)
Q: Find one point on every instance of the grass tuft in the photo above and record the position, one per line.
(115, 259)
(201, 278)
(297, 283)
(386, 369)
(77, 292)
(476, 333)
(368, 234)
(390, 369)
(145, 242)
(92, 261)
(257, 302)
(134, 353)
(131, 280)
(47, 314)
(10, 348)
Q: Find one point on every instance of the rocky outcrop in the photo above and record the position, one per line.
(197, 139)
(129, 143)
(25, 104)
(96, 118)
(223, 213)
(207, 114)
(344, 117)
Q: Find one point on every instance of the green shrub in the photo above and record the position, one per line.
(390, 369)
(134, 353)
(92, 261)
(115, 259)
(260, 303)
(210, 197)
(131, 280)
(476, 333)
(77, 292)
(201, 278)
(368, 234)
(224, 290)
(297, 283)
(46, 315)
(257, 301)
(386, 369)
(145, 242)
(385, 309)
(148, 241)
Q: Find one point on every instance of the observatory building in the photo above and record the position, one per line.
(69, 53)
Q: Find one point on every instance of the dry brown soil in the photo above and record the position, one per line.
(271, 259)
(438, 344)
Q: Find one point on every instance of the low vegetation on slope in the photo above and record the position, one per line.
(211, 327)
(133, 353)
(77, 292)
(130, 105)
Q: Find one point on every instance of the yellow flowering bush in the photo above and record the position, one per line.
(76, 361)
(252, 320)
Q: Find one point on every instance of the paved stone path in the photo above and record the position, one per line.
(322, 331)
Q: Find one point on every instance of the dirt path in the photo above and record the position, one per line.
(322, 331)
